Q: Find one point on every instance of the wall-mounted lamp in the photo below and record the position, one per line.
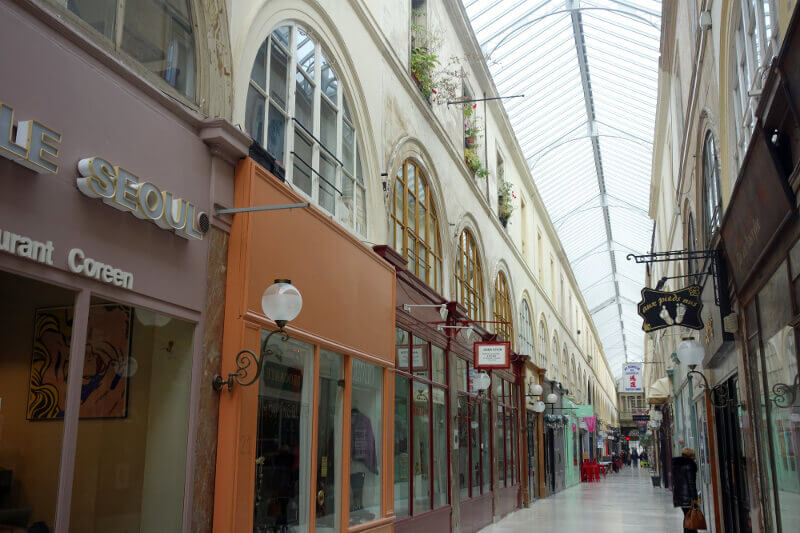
(281, 303)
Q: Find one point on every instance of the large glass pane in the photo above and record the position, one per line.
(100, 14)
(130, 465)
(160, 38)
(509, 448)
(402, 411)
(283, 444)
(301, 176)
(463, 446)
(475, 443)
(348, 192)
(329, 447)
(366, 425)
(276, 139)
(440, 462)
(36, 328)
(304, 100)
(327, 126)
(278, 75)
(254, 114)
(305, 52)
(330, 85)
(779, 370)
(258, 74)
(327, 194)
(348, 145)
(500, 446)
(282, 34)
(422, 448)
(420, 359)
(486, 448)
(461, 374)
(439, 372)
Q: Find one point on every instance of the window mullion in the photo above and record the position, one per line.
(290, 102)
(315, 126)
(119, 25)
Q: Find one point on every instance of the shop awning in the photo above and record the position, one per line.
(659, 391)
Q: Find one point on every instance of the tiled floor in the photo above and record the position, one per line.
(620, 503)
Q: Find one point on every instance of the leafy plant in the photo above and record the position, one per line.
(471, 127)
(474, 163)
(505, 206)
(438, 83)
(423, 63)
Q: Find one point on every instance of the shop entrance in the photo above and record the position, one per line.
(732, 461)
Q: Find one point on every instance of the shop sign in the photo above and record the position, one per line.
(492, 354)
(632, 377)
(639, 417)
(35, 145)
(122, 190)
(418, 357)
(758, 206)
(661, 309)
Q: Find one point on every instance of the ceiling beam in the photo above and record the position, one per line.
(580, 49)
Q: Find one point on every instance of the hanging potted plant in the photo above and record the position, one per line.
(505, 207)
(474, 163)
(471, 128)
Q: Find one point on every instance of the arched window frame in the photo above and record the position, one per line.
(502, 309)
(712, 194)
(544, 347)
(412, 205)
(526, 342)
(754, 41)
(469, 276)
(553, 370)
(317, 142)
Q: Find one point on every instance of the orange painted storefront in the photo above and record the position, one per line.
(348, 308)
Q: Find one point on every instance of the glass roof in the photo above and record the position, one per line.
(589, 73)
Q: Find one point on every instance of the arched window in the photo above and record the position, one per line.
(542, 345)
(469, 276)
(552, 372)
(526, 346)
(295, 92)
(573, 377)
(753, 44)
(564, 367)
(712, 196)
(416, 228)
(156, 34)
(502, 309)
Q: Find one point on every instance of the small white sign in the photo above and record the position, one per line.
(632, 377)
(493, 354)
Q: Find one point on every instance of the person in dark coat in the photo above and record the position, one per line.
(684, 481)
(635, 457)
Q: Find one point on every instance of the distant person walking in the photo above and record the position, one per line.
(684, 476)
(635, 458)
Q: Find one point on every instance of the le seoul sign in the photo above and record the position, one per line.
(35, 146)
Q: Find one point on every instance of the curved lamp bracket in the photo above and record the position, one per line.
(247, 361)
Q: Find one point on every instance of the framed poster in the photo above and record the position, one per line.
(104, 390)
(492, 354)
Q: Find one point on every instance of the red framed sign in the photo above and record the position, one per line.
(492, 354)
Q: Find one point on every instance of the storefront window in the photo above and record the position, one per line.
(132, 432)
(777, 370)
(366, 421)
(284, 436)
(329, 446)
(35, 325)
(421, 419)
(473, 436)
(505, 436)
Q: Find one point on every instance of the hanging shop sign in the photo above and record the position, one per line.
(747, 227)
(492, 354)
(661, 309)
(641, 417)
(632, 373)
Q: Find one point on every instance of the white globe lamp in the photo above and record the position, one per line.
(539, 407)
(690, 352)
(281, 302)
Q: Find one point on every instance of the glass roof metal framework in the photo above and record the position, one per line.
(589, 70)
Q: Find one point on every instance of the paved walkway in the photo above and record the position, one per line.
(620, 503)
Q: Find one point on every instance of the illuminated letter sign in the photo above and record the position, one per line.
(35, 146)
(121, 189)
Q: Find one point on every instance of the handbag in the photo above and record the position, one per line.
(694, 518)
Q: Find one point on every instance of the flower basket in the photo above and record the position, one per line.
(469, 141)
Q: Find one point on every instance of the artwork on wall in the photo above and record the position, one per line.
(104, 385)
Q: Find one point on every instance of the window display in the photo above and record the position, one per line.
(329, 441)
(366, 421)
(473, 432)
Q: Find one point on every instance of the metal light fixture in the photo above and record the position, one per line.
(535, 390)
(552, 398)
(281, 303)
(539, 407)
